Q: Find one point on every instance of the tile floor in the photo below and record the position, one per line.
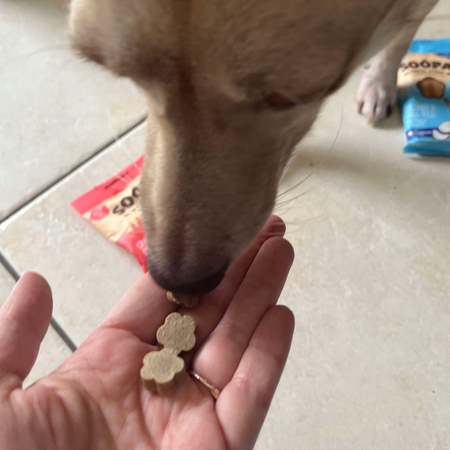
(370, 362)
(59, 110)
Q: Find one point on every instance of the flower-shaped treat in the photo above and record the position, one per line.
(162, 371)
(182, 300)
(177, 333)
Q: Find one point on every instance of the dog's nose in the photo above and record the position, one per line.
(194, 287)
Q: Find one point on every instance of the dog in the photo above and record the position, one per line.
(232, 86)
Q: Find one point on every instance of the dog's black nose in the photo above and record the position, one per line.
(194, 288)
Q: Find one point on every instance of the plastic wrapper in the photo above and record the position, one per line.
(424, 97)
(113, 207)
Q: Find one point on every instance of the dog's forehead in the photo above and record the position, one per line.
(289, 43)
(122, 35)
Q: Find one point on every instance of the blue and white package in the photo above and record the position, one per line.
(424, 97)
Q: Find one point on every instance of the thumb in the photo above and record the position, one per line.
(24, 320)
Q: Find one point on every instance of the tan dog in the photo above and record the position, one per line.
(233, 85)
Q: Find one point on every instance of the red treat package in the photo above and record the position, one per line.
(113, 208)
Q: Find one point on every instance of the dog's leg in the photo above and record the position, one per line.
(377, 91)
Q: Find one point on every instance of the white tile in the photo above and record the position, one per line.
(435, 25)
(53, 349)
(55, 109)
(87, 272)
(370, 362)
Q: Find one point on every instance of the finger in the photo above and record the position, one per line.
(243, 404)
(24, 321)
(219, 357)
(142, 310)
(212, 306)
(274, 227)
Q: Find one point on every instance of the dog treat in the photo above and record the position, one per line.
(177, 333)
(182, 300)
(164, 370)
(113, 208)
(431, 88)
(424, 97)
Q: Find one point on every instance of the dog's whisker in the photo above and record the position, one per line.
(315, 219)
(290, 208)
(297, 185)
(291, 232)
(313, 188)
(318, 185)
(322, 160)
(302, 205)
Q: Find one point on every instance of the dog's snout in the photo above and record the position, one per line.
(196, 285)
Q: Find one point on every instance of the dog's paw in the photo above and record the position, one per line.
(376, 97)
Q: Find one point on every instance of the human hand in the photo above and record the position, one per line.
(95, 399)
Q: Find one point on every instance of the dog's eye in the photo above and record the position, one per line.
(278, 102)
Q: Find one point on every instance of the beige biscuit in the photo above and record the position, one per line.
(177, 333)
(163, 370)
(182, 300)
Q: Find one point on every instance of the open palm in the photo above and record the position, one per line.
(95, 399)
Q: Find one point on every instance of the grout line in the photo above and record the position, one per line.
(62, 334)
(11, 269)
(71, 171)
(53, 322)
(8, 266)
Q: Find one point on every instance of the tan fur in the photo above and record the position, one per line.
(232, 86)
